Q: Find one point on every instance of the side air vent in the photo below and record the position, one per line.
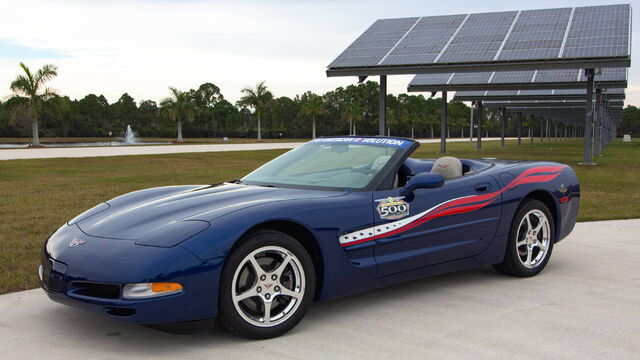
(96, 290)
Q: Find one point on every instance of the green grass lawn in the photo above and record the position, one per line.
(37, 196)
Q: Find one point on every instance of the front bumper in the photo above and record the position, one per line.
(172, 308)
(90, 276)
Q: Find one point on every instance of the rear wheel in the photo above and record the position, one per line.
(530, 240)
(267, 285)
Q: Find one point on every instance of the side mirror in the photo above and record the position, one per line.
(423, 181)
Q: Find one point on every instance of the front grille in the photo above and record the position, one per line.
(96, 290)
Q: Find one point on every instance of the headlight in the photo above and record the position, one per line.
(173, 234)
(94, 210)
(149, 290)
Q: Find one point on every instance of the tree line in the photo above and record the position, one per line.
(630, 121)
(205, 113)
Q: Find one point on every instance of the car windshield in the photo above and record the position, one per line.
(329, 162)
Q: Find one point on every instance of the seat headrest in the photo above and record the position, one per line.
(380, 162)
(447, 166)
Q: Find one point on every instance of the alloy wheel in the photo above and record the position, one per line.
(533, 239)
(268, 286)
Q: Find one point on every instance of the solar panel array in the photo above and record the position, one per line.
(552, 107)
(515, 94)
(544, 101)
(612, 91)
(572, 114)
(566, 33)
(516, 77)
(554, 111)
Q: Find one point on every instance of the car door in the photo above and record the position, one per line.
(433, 226)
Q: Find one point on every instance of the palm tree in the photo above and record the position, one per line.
(312, 105)
(179, 107)
(30, 88)
(352, 111)
(391, 120)
(413, 117)
(258, 98)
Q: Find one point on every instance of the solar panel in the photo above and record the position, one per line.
(560, 75)
(376, 42)
(538, 33)
(546, 103)
(479, 38)
(512, 76)
(561, 35)
(611, 74)
(518, 95)
(596, 31)
(545, 93)
(612, 91)
(550, 79)
(465, 78)
(534, 102)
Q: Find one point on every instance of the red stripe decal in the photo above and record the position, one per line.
(469, 203)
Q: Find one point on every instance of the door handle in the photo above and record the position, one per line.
(483, 187)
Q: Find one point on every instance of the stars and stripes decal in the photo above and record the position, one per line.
(450, 207)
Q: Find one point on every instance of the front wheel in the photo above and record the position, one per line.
(268, 283)
(530, 240)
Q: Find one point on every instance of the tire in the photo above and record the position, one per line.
(528, 251)
(286, 290)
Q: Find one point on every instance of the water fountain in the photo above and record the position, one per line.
(130, 136)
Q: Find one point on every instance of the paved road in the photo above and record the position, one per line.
(586, 304)
(71, 152)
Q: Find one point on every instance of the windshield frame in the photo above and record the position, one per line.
(377, 182)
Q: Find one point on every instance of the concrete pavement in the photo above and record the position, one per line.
(585, 304)
(77, 152)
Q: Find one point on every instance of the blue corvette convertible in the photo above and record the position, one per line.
(332, 217)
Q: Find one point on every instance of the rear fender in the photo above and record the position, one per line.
(552, 188)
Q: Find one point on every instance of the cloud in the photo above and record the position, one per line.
(144, 47)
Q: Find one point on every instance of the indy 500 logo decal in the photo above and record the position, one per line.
(392, 208)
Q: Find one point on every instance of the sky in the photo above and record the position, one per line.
(144, 46)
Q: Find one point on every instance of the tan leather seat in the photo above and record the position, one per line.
(448, 166)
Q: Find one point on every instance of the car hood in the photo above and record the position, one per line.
(131, 216)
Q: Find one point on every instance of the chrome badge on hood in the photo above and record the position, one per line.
(76, 242)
